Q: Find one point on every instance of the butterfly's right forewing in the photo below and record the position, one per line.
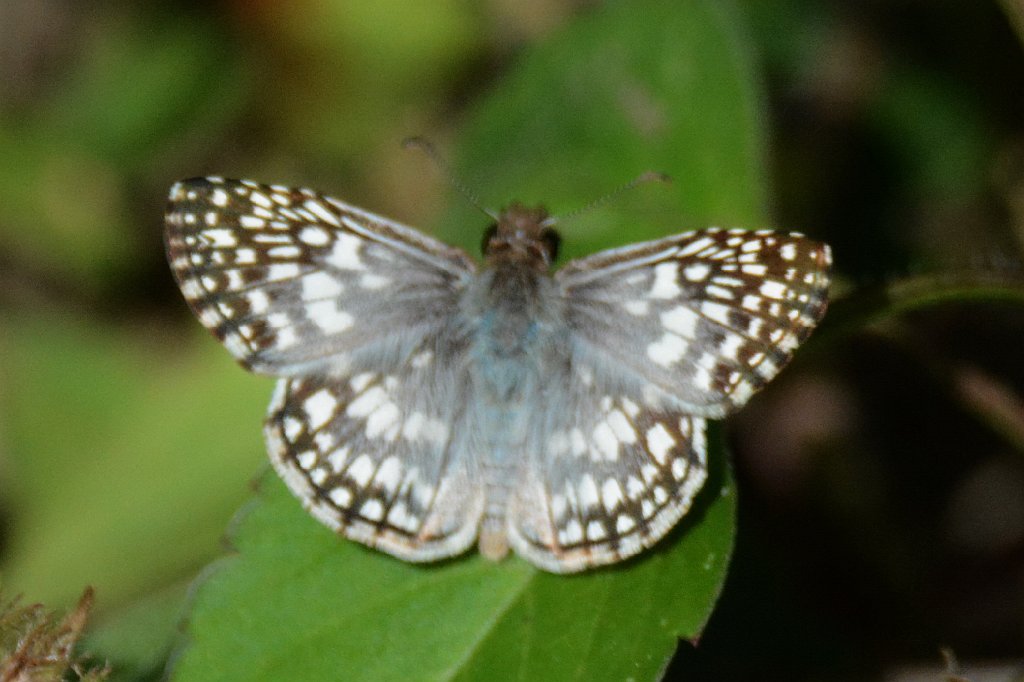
(293, 282)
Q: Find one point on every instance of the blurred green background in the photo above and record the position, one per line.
(880, 479)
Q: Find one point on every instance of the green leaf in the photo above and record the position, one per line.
(632, 87)
(119, 477)
(297, 603)
(136, 640)
(660, 86)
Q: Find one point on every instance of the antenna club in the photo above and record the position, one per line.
(648, 176)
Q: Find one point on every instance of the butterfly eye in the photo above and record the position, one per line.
(551, 241)
(488, 236)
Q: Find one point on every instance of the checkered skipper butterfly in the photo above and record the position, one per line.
(425, 402)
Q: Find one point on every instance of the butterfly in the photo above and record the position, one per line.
(427, 403)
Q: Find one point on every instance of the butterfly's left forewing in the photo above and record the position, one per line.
(709, 317)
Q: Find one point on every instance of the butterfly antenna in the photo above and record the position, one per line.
(642, 179)
(427, 148)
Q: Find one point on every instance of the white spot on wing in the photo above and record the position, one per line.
(400, 517)
(659, 442)
(372, 509)
(638, 308)
(221, 238)
(260, 199)
(258, 302)
(317, 209)
(367, 402)
(337, 459)
(695, 246)
(342, 497)
(372, 281)
(319, 408)
(697, 272)
(682, 321)
(360, 381)
(667, 350)
(620, 425)
(383, 421)
(679, 467)
(715, 311)
(389, 475)
(314, 236)
(605, 441)
(573, 533)
(325, 314)
(251, 222)
(284, 252)
(611, 494)
(665, 284)
(280, 271)
(361, 470)
(588, 494)
(772, 289)
(730, 346)
(413, 426)
(719, 292)
(320, 285)
(345, 254)
(306, 460)
(634, 487)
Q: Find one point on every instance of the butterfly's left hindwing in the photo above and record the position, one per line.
(292, 281)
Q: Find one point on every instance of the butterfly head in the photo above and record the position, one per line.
(522, 234)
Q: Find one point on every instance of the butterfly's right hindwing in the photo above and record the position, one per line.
(380, 455)
(293, 282)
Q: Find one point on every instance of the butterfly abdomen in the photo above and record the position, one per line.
(514, 326)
